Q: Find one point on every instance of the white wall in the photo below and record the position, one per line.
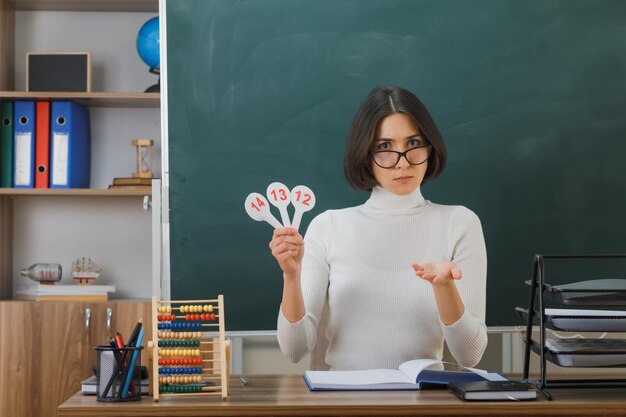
(114, 232)
(109, 36)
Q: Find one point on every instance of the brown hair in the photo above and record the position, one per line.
(380, 103)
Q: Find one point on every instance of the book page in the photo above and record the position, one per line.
(364, 377)
(413, 368)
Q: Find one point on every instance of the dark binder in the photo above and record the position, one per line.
(6, 144)
(492, 391)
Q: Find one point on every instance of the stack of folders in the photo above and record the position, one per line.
(44, 144)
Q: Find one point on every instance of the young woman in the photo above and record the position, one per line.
(398, 275)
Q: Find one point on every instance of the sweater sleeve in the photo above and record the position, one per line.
(299, 338)
(467, 337)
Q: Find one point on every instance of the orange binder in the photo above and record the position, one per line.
(42, 144)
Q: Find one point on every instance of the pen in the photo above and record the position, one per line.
(130, 370)
(119, 341)
(131, 340)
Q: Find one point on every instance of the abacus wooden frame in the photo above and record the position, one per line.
(220, 336)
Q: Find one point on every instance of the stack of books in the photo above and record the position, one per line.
(64, 292)
(132, 183)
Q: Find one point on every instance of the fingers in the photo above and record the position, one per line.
(286, 242)
(286, 231)
(455, 272)
(286, 234)
(286, 247)
(437, 272)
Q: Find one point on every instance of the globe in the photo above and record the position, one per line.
(148, 43)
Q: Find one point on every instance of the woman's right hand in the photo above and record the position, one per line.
(287, 247)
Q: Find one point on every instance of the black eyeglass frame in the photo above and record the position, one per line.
(401, 154)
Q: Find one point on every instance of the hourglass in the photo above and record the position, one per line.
(144, 157)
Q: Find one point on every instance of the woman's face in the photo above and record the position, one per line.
(397, 132)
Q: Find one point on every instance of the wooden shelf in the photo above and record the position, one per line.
(89, 5)
(78, 192)
(100, 99)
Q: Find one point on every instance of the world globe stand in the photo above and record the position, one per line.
(154, 88)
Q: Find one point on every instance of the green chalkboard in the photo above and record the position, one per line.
(530, 96)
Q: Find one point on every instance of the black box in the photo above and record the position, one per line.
(58, 71)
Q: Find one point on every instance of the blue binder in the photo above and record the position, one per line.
(70, 145)
(24, 144)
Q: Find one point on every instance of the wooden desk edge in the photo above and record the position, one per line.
(287, 395)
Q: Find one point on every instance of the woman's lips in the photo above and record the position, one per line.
(403, 179)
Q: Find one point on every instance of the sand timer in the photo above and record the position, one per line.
(143, 158)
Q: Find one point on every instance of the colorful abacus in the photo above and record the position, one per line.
(189, 348)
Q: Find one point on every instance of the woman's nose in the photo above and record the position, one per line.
(403, 162)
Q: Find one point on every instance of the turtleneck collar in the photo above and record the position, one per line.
(381, 199)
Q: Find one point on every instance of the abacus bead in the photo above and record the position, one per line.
(212, 316)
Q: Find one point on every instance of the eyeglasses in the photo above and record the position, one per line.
(414, 156)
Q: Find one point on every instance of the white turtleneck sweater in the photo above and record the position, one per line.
(358, 261)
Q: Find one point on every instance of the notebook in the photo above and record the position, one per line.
(411, 375)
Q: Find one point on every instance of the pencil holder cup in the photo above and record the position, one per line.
(118, 373)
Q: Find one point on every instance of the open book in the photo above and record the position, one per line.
(411, 375)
